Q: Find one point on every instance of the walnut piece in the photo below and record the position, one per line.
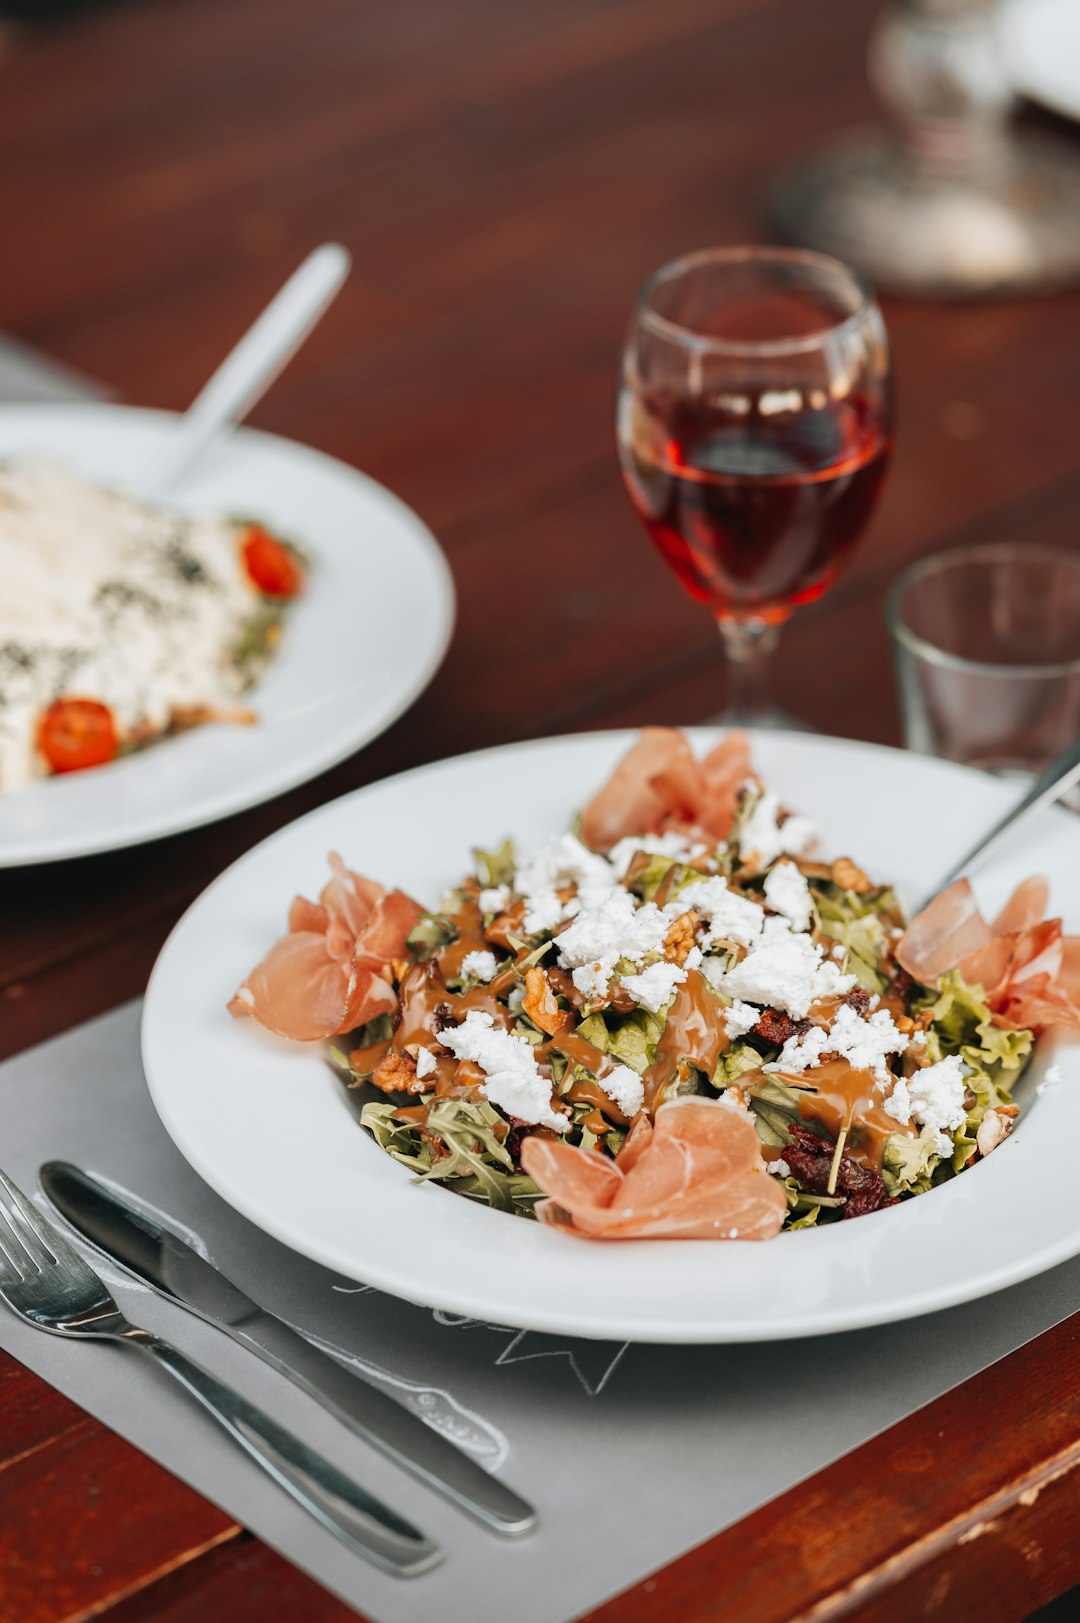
(680, 938)
(995, 1127)
(396, 1073)
(539, 1002)
(850, 877)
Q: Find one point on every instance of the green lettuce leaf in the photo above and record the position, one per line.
(908, 1164)
(775, 1107)
(857, 922)
(740, 1058)
(631, 1038)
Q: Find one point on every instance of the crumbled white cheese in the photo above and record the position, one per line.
(694, 958)
(109, 597)
(516, 999)
(480, 966)
(625, 1088)
(839, 952)
(762, 838)
(779, 1167)
(865, 1044)
(787, 972)
(672, 844)
(654, 986)
(495, 900)
(425, 1062)
(934, 1097)
(714, 971)
(729, 917)
(562, 861)
(739, 1018)
(593, 980)
(512, 1079)
(606, 930)
(787, 893)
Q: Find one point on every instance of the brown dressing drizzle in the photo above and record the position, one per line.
(846, 1097)
(694, 1035)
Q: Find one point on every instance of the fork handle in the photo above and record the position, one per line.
(361, 1521)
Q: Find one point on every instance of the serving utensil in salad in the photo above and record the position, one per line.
(252, 365)
(1058, 778)
(46, 1282)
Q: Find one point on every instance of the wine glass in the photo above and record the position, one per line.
(754, 428)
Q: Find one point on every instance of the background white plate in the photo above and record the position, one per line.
(344, 672)
(270, 1128)
(1042, 40)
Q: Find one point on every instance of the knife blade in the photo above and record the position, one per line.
(161, 1259)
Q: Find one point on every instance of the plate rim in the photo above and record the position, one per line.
(456, 1300)
(214, 809)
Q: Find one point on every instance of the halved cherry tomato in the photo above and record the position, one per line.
(273, 568)
(76, 733)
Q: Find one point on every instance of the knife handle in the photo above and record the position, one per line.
(380, 1419)
(359, 1520)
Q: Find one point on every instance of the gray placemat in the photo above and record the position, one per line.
(631, 1454)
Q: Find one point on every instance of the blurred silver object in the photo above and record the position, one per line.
(951, 201)
(1059, 777)
(987, 647)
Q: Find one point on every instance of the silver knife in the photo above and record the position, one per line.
(161, 1259)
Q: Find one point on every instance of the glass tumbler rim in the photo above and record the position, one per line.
(744, 253)
(937, 563)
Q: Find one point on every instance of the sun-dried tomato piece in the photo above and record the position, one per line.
(775, 1027)
(810, 1158)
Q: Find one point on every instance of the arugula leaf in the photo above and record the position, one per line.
(475, 1159)
(430, 933)
(496, 867)
(647, 881)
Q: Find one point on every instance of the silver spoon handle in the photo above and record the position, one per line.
(252, 365)
(1059, 776)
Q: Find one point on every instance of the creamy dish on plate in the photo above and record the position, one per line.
(122, 621)
(674, 1020)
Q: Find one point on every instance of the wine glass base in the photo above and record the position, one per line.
(924, 232)
(771, 720)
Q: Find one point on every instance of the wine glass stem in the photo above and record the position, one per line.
(749, 645)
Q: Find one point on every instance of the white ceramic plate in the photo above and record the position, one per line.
(344, 672)
(269, 1127)
(1042, 41)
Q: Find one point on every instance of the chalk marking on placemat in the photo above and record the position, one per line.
(592, 1383)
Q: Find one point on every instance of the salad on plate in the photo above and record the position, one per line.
(674, 1020)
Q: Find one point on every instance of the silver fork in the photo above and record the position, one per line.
(45, 1281)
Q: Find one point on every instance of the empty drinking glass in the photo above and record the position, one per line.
(987, 648)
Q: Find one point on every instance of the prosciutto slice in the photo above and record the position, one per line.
(697, 1174)
(299, 991)
(1028, 970)
(947, 930)
(660, 784)
(329, 974)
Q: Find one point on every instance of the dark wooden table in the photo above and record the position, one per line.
(504, 175)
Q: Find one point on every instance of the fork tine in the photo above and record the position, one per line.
(31, 1230)
(11, 1269)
